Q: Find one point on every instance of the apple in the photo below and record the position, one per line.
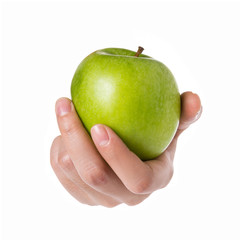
(132, 93)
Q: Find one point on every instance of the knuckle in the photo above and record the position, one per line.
(169, 177)
(54, 151)
(131, 203)
(65, 162)
(95, 177)
(69, 127)
(111, 204)
(135, 201)
(59, 158)
(143, 185)
(56, 141)
(171, 172)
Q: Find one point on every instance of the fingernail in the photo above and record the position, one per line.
(63, 106)
(198, 113)
(100, 135)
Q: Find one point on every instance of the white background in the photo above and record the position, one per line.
(43, 42)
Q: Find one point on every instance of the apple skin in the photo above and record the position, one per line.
(135, 96)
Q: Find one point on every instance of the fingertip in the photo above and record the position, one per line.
(63, 106)
(62, 99)
(100, 135)
(191, 106)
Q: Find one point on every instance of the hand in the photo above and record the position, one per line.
(101, 170)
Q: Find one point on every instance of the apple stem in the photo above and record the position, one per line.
(140, 50)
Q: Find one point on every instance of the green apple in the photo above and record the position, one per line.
(132, 93)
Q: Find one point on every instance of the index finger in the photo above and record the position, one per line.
(75, 137)
(89, 164)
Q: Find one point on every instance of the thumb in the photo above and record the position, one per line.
(133, 172)
(191, 111)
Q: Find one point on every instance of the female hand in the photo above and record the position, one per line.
(101, 170)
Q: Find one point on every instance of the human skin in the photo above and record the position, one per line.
(101, 170)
